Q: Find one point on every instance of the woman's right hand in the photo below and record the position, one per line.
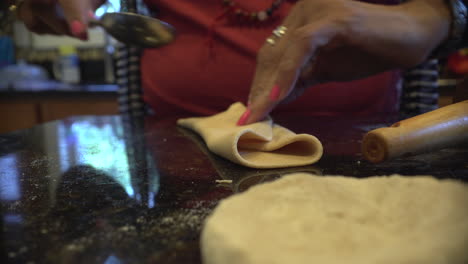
(58, 17)
(341, 40)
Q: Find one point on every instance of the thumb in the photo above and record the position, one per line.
(76, 14)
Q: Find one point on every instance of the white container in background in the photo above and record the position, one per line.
(67, 66)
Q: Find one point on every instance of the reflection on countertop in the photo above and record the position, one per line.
(106, 189)
(51, 86)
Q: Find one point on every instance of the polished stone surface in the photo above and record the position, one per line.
(35, 87)
(109, 190)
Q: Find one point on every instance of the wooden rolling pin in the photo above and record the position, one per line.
(441, 128)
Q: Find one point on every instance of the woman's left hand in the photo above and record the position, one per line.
(342, 40)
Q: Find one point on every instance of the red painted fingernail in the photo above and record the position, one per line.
(77, 29)
(275, 93)
(244, 117)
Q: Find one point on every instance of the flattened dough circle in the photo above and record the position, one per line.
(315, 219)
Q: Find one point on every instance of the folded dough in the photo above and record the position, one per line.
(259, 145)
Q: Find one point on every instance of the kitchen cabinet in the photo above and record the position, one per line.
(17, 115)
(20, 110)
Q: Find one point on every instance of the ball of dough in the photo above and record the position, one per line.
(303, 218)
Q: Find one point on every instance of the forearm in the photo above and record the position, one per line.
(403, 35)
(433, 17)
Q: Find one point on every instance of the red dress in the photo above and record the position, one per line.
(211, 64)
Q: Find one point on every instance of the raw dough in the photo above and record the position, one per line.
(316, 219)
(258, 145)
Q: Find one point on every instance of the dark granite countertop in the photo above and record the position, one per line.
(111, 190)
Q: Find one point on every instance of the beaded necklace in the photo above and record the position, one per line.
(242, 14)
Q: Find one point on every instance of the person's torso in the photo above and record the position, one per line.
(211, 64)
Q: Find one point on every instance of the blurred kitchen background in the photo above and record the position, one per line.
(44, 78)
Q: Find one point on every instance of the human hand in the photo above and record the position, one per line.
(342, 40)
(58, 17)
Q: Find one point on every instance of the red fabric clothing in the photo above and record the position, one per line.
(185, 77)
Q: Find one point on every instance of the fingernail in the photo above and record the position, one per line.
(77, 29)
(275, 93)
(244, 117)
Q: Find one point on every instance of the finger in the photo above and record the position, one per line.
(268, 59)
(268, 99)
(303, 45)
(305, 80)
(41, 29)
(76, 14)
(33, 23)
(300, 55)
(58, 25)
(267, 62)
(269, 55)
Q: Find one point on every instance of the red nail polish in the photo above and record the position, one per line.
(275, 93)
(77, 28)
(244, 117)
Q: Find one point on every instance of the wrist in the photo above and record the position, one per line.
(444, 22)
(404, 35)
